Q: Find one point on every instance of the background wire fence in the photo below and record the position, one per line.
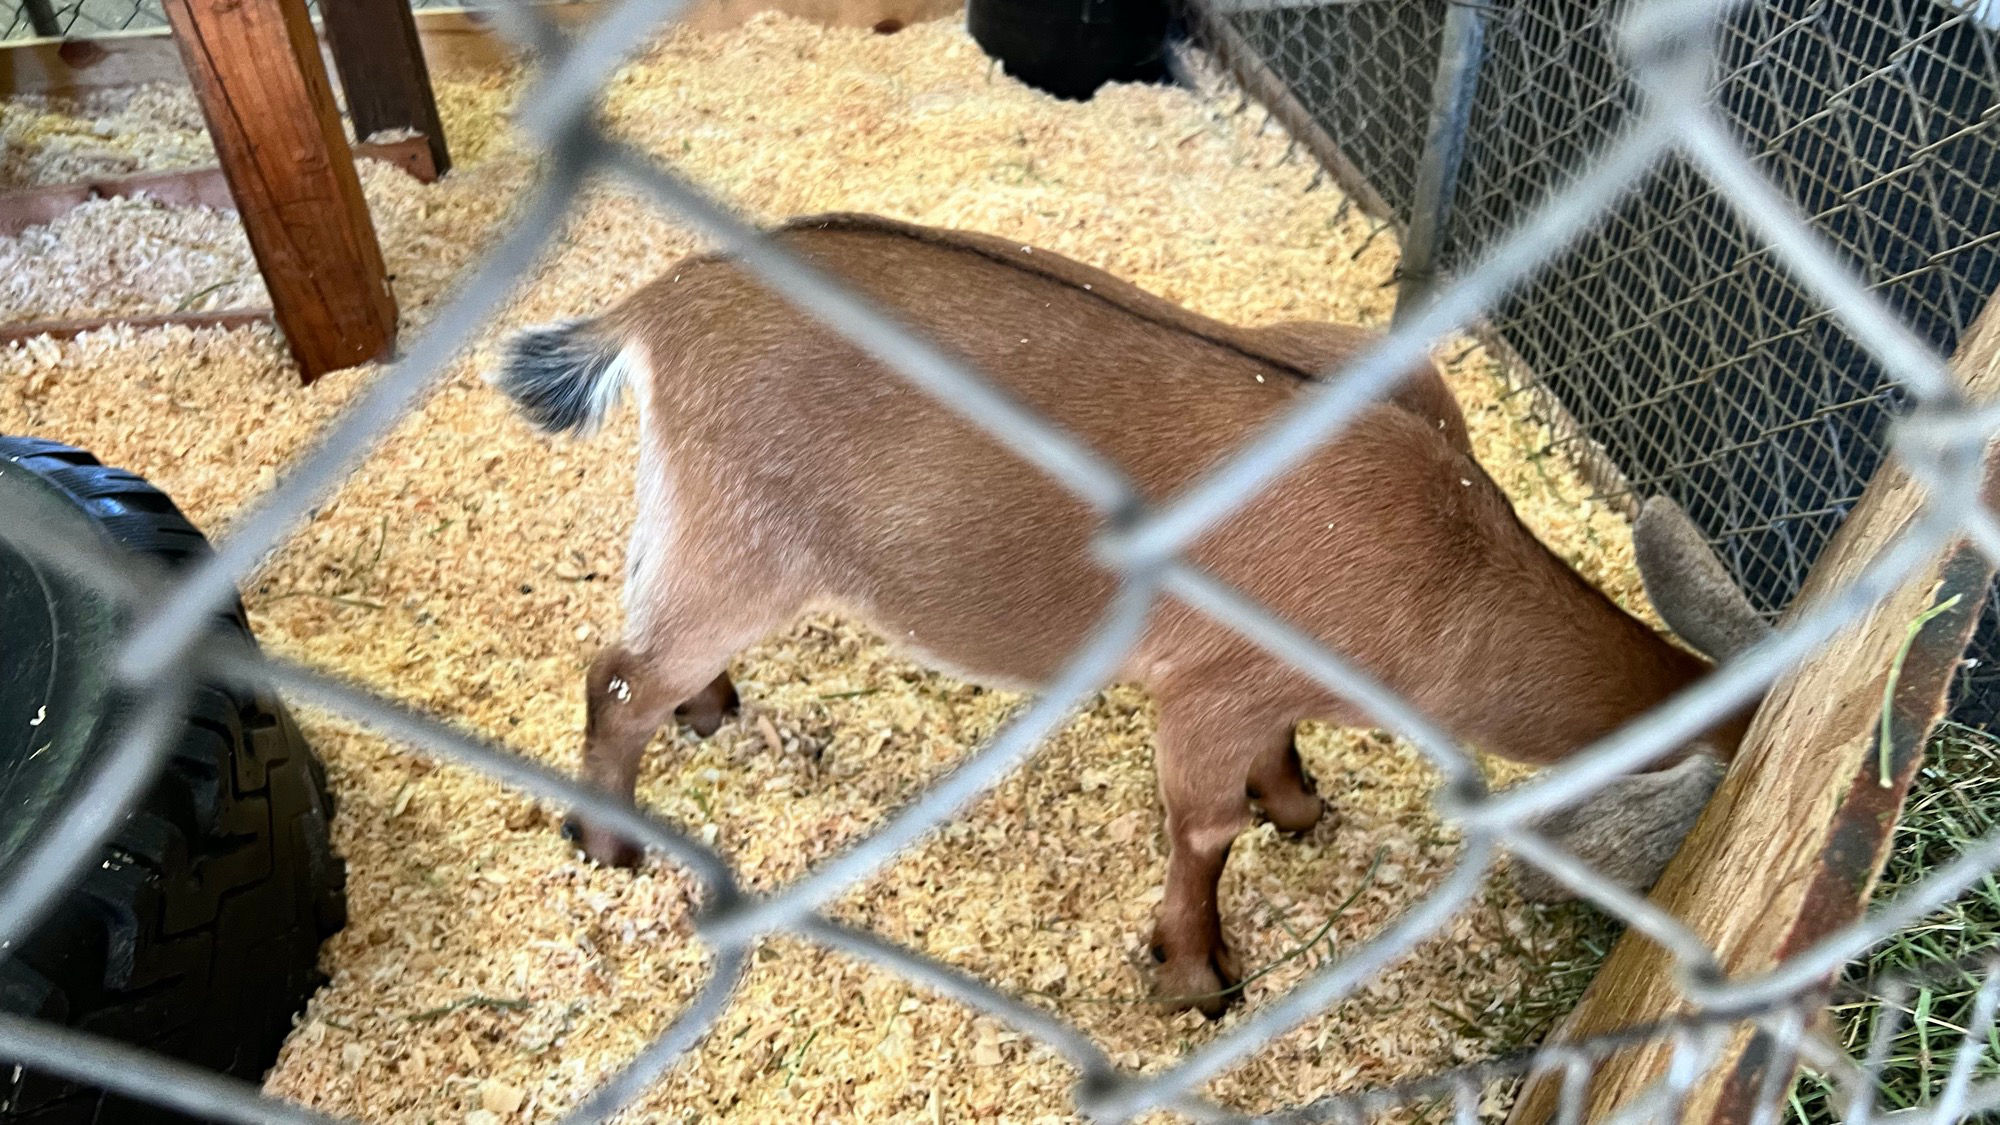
(1680, 346)
(25, 19)
(1663, 127)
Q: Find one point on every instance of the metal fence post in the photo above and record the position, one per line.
(1461, 49)
(42, 17)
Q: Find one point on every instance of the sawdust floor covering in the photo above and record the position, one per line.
(130, 256)
(471, 569)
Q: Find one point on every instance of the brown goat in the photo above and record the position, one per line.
(782, 470)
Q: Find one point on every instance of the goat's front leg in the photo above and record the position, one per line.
(1628, 830)
(705, 712)
(1204, 762)
(1279, 785)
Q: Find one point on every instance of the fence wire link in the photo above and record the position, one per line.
(1675, 125)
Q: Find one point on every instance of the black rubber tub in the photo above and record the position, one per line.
(1070, 48)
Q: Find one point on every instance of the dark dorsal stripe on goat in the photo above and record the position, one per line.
(1050, 266)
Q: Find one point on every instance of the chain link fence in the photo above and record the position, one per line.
(1589, 163)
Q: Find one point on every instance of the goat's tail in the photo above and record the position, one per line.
(564, 377)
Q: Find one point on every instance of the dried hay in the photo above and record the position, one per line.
(468, 568)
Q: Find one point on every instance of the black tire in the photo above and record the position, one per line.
(197, 934)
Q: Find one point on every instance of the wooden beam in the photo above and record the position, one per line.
(453, 39)
(382, 72)
(66, 67)
(464, 40)
(187, 187)
(411, 154)
(1791, 846)
(256, 70)
(77, 326)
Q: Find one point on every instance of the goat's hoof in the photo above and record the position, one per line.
(705, 713)
(1203, 983)
(601, 847)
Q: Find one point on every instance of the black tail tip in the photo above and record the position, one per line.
(564, 377)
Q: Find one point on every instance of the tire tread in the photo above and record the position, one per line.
(198, 935)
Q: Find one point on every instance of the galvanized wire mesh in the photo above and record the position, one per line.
(1363, 71)
(25, 19)
(1678, 345)
(1670, 126)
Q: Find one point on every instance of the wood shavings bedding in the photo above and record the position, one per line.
(128, 256)
(134, 256)
(471, 569)
(157, 127)
(46, 139)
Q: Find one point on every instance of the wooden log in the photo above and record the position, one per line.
(187, 187)
(1791, 846)
(77, 326)
(381, 66)
(256, 70)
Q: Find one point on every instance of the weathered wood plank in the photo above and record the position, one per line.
(77, 326)
(187, 187)
(1791, 846)
(455, 40)
(72, 66)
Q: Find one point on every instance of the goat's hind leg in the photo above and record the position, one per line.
(631, 693)
(674, 656)
(1207, 748)
(705, 711)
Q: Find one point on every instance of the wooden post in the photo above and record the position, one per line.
(1790, 848)
(256, 69)
(381, 64)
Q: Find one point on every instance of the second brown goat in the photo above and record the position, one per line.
(782, 470)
